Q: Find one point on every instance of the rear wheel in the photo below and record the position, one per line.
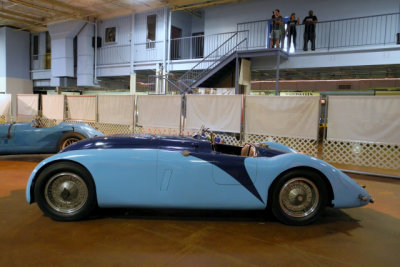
(68, 139)
(65, 192)
(299, 197)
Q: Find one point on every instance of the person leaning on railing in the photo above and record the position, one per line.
(291, 30)
(277, 32)
(309, 30)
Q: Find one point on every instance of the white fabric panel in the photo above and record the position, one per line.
(53, 106)
(82, 108)
(364, 118)
(118, 109)
(27, 105)
(217, 112)
(159, 111)
(5, 102)
(288, 116)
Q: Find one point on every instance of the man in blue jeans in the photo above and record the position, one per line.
(309, 30)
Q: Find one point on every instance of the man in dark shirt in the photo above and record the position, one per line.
(309, 30)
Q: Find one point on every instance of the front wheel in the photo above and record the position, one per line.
(65, 192)
(299, 197)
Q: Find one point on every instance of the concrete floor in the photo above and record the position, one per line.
(368, 236)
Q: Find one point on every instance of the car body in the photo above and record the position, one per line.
(25, 138)
(190, 173)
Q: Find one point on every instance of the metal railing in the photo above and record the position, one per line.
(352, 32)
(197, 46)
(171, 83)
(151, 51)
(114, 54)
(236, 42)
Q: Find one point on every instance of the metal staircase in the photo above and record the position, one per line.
(217, 58)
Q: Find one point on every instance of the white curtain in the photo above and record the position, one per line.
(364, 118)
(27, 107)
(217, 112)
(82, 108)
(118, 109)
(159, 111)
(5, 102)
(289, 116)
(53, 106)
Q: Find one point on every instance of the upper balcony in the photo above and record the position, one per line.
(372, 33)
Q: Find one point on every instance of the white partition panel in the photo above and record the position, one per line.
(81, 108)
(53, 106)
(27, 107)
(159, 111)
(364, 118)
(217, 112)
(5, 103)
(289, 116)
(117, 109)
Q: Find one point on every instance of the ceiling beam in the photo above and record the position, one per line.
(61, 5)
(42, 8)
(23, 15)
(24, 21)
(201, 4)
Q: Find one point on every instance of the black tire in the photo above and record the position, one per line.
(65, 191)
(68, 139)
(298, 197)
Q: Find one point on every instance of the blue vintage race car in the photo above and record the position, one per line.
(186, 172)
(22, 138)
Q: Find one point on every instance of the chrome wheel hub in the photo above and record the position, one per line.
(66, 192)
(299, 197)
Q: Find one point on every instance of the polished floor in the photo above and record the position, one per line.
(368, 236)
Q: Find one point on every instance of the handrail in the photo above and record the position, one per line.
(324, 21)
(185, 76)
(208, 35)
(221, 59)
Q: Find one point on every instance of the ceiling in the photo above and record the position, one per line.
(35, 15)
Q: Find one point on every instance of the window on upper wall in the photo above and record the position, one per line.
(151, 31)
(48, 43)
(110, 35)
(35, 47)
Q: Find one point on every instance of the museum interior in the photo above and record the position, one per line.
(199, 133)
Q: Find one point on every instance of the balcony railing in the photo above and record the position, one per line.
(353, 32)
(114, 54)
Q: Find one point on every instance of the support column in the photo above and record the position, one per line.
(245, 75)
(85, 66)
(133, 83)
(278, 63)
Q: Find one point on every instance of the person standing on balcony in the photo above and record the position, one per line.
(291, 30)
(277, 26)
(309, 30)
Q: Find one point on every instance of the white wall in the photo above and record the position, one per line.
(224, 18)
(183, 21)
(123, 30)
(198, 23)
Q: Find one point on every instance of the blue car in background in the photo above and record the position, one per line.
(27, 138)
(190, 173)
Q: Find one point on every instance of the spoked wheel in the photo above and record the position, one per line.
(299, 197)
(65, 192)
(68, 139)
